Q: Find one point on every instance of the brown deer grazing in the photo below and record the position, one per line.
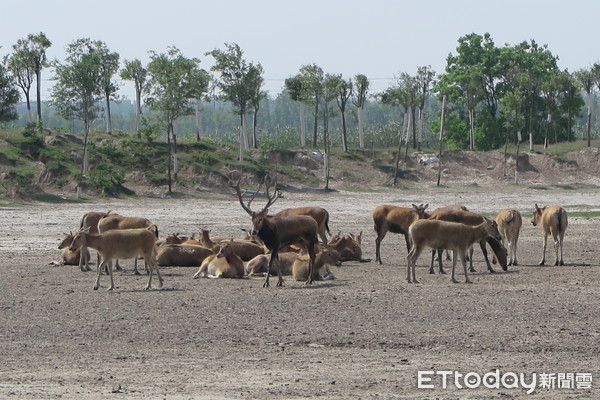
(396, 220)
(224, 264)
(453, 214)
(453, 236)
(554, 221)
(509, 224)
(278, 231)
(318, 213)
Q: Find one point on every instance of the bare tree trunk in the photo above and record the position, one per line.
(344, 133)
(84, 162)
(361, 121)
(414, 127)
(38, 77)
(169, 133)
(138, 112)
(199, 132)
(410, 124)
(442, 121)
(589, 121)
(314, 139)
(302, 124)
(244, 131)
(241, 156)
(29, 114)
(255, 129)
(471, 129)
(420, 130)
(175, 158)
(108, 118)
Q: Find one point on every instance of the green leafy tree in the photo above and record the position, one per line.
(343, 90)
(424, 77)
(136, 72)
(9, 96)
(297, 91)
(78, 89)
(256, 81)
(361, 89)
(238, 83)
(174, 82)
(36, 45)
(586, 80)
(20, 65)
(109, 66)
(313, 80)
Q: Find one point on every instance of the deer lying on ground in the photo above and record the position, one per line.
(348, 247)
(278, 231)
(68, 256)
(509, 224)
(321, 271)
(182, 255)
(114, 221)
(318, 213)
(224, 264)
(453, 236)
(453, 214)
(89, 221)
(245, 249)
(396, 220)
(554, 221)
(123, 244)
(259, 265)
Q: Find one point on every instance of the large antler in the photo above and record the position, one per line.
(239, 195)
(271, 198)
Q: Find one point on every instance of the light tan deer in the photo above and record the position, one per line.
(554, 222)
(453, 236)
(224, 264)
(509, 224)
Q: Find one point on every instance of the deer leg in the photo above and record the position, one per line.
(431, 271)
(544, 249)
(556, 249)
(411, 260)
(311, 264)
(464, 263)
(454, 257)
(485, 255)
(471, 260)
(274, 255)
(380, 236)
(99, 268)
(560, 241)
(112, 283)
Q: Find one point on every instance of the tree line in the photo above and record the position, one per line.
(495, 94)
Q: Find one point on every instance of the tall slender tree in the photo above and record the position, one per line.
(587, 82)
(136, 72)
(9, 96)
(78, 90)
(175, 81)
(20, 65)
(361, 89)
(109, 66)
(237, 84)
(38, 44)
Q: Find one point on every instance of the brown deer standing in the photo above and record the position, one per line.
(278, 231)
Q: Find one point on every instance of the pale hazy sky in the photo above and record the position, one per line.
(377, 38)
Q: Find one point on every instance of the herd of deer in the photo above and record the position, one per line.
(287, 242)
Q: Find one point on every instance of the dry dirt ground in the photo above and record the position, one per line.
(364, 335)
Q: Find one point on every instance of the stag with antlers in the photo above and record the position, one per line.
(278, 231)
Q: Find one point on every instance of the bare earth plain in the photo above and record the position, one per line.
(364, 335)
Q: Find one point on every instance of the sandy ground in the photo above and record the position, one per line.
(364, 335)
